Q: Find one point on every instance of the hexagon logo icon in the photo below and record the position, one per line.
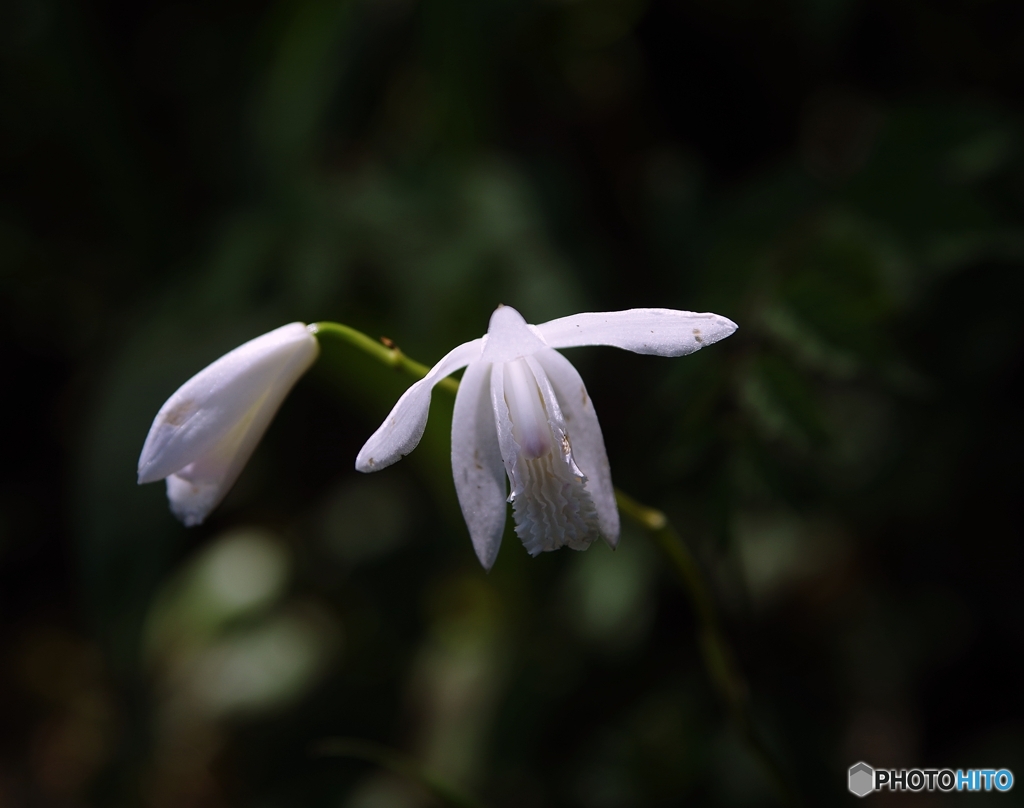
(862, 779)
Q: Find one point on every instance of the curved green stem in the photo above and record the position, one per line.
(398, 763)
(384, 350)
(719, 661)
(718, 658)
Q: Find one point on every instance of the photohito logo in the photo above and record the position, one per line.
(864, 779)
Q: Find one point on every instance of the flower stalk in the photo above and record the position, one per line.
(383, 350)
(718, 659)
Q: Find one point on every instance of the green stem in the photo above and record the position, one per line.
(384, 351)
(715, 652)
(399, 764)
(719, 661)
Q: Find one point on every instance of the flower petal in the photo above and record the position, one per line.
(403, 428)
(193, 500)
(503, 422)
(194, 491)
(476, 463)
(258, 374)
(585, 437)
(662, 332)
(509, 337)
(556, 508)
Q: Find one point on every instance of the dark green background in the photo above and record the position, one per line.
(843, 179)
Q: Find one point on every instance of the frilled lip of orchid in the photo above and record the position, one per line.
(524, 429)
(205, 433)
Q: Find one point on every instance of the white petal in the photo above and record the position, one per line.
(503, 423)
(476, 463)
(403, 428)
(550, 503)
(585, 438)
(252, 379)
(509, 337)
(531, 426)
(195, 490)
(662, 332)
(193, 500)
(553, 411)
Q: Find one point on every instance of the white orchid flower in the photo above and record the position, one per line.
(522, 412)
(203, 436)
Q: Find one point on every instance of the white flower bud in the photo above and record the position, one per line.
(203, 436)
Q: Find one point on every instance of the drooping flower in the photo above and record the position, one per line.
(522, 413)
(203, 436)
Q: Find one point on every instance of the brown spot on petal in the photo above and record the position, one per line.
(697, 336)
(179, 413)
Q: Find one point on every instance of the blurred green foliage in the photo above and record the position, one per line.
(843, 179)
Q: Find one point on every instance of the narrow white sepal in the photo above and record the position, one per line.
(205, 433)
(503, 426)
(403, 428)
(661, 332)
(477, 465)
(509, 337)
